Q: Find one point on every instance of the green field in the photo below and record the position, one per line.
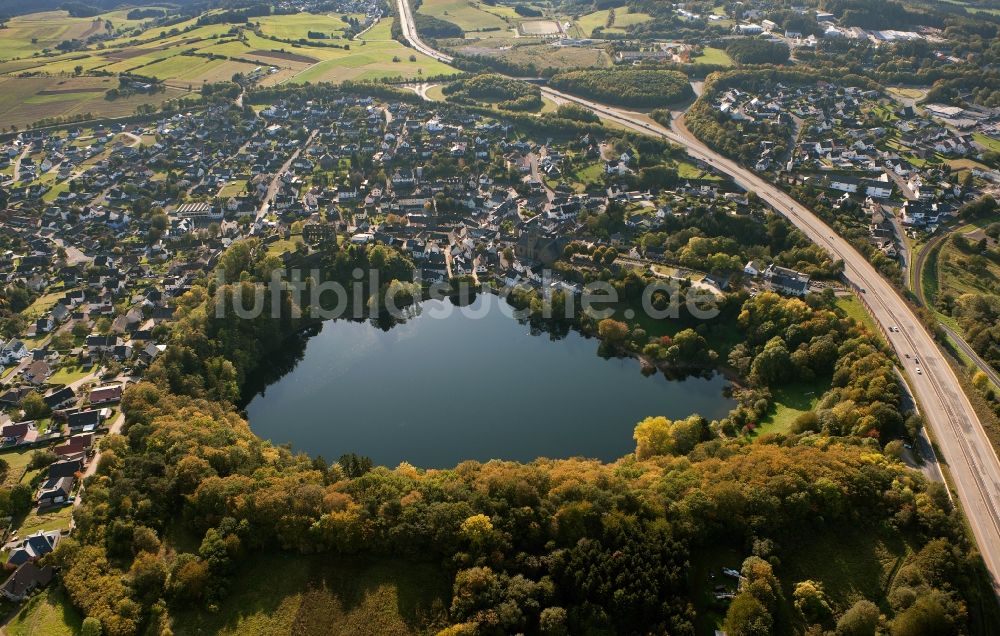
(470, 16)
(854, 309)
(27, 100)
(990, 143)
(371, 60)
(297, 26)
(954, 276)
(309, 595)
(791, 401)
(17, 463)
(182, 61)
(46, 614)
(36, 32)
(711, 55)
(623, 18)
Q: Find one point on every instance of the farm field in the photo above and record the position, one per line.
(181, 69)
(540, 27)
(297, 26)
(470, 15)
(543, 55)
(24, 101)
(623, 18)
(47, 29)
(369, 61)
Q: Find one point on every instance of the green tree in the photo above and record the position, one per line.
(860, 620)
(747, 616)
(34, 406)
(91, 627)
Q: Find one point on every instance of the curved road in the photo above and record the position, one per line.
(975, 470)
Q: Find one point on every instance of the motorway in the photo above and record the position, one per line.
(975, 470)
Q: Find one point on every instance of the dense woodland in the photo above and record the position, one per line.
(506, 93)
(626, 87)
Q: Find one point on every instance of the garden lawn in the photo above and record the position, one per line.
(51, 519)
(17, 464)
(71, 373)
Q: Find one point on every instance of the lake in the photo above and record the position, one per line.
(436, 390)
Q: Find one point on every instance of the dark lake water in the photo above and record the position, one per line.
(435, 390)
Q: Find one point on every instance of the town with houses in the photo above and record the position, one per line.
(106, 227)
(860, 144)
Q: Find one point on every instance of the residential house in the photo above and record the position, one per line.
(34, 547)
(18, 433)
(786, 281)
(106, 394)
(86, 420)
(25, 580)
(55, 491)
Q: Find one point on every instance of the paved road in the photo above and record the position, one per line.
(272, 188)
(974, 466)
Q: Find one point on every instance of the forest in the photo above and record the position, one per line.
(626, 87)
(547, 547)
(506, 93)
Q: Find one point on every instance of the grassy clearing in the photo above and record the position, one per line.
(854, 309)
(955, 276)
(791, 401)
(850, 563)
(712, 55)
(284, 245)
(325, 596)
(46, 614)
(906, 92)
(542, 55)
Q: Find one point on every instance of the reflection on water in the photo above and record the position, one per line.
(450, 384)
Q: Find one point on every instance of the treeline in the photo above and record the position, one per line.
(749, 51)
(982, 86)
(234, 16)
(506, 93)
(143, 14)
(878, 14)
(626, 87)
